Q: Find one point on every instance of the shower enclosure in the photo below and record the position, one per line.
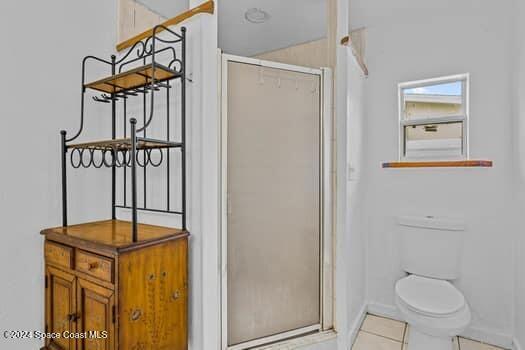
(276, 222)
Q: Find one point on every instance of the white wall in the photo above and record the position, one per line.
(199, 58)
(410, 40)
(519, 135)
(45, 42)
(43, 45)
(355, 235)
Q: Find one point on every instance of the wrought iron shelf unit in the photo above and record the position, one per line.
(143, 73)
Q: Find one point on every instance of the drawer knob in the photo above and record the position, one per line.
(92, 266)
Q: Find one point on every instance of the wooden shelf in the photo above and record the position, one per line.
(125, 144)
(113, 234)
(133, 79)
(206, 7)
(354, 41)
(441, 164)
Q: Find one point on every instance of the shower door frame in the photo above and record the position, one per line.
(327, 204)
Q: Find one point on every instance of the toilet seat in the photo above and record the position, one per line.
(431, 306)
(429, 297)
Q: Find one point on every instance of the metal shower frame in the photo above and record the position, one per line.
(124, 153)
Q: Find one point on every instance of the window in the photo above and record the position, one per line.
(433, 119)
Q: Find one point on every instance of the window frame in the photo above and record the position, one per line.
(463, 117)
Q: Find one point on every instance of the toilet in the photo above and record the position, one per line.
(433, 307)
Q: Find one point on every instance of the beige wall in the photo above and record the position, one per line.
(133, 18)
(444, 131)
(314, 54)
(424, 109)
(311, 54)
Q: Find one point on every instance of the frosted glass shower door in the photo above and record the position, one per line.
(273, 235)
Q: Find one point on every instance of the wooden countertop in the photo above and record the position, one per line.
(112, 235)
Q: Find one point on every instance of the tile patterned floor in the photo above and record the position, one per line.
(379, 333)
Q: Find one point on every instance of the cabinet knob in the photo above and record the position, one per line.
(135, 315)
(73, 317)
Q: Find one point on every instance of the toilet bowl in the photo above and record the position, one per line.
(433, 307)
(435, 310)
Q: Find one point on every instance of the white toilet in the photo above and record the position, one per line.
(433, 307)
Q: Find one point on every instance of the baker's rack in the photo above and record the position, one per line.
(159, 65)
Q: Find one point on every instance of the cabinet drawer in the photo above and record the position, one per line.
(58, 254)
(94, 265)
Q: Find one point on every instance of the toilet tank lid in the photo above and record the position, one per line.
(432, 222)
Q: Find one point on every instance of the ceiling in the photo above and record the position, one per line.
(291, 22)
(166, 8)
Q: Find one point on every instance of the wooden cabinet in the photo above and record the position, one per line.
(104, 292)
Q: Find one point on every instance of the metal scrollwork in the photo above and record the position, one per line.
(153, 63)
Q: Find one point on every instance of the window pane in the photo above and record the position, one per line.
(430, 101)
(441, 140)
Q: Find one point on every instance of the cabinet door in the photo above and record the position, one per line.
(96, 316)
(153, 298)
(60, 308)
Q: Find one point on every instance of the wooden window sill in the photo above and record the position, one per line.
(441, 164)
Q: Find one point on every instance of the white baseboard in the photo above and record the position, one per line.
(356, 325)
(384, 310)
(516, 345)
(489, 336)
(474, 333)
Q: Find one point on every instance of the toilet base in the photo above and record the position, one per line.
(422, 341)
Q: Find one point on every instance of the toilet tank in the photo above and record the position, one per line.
(431, 246)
